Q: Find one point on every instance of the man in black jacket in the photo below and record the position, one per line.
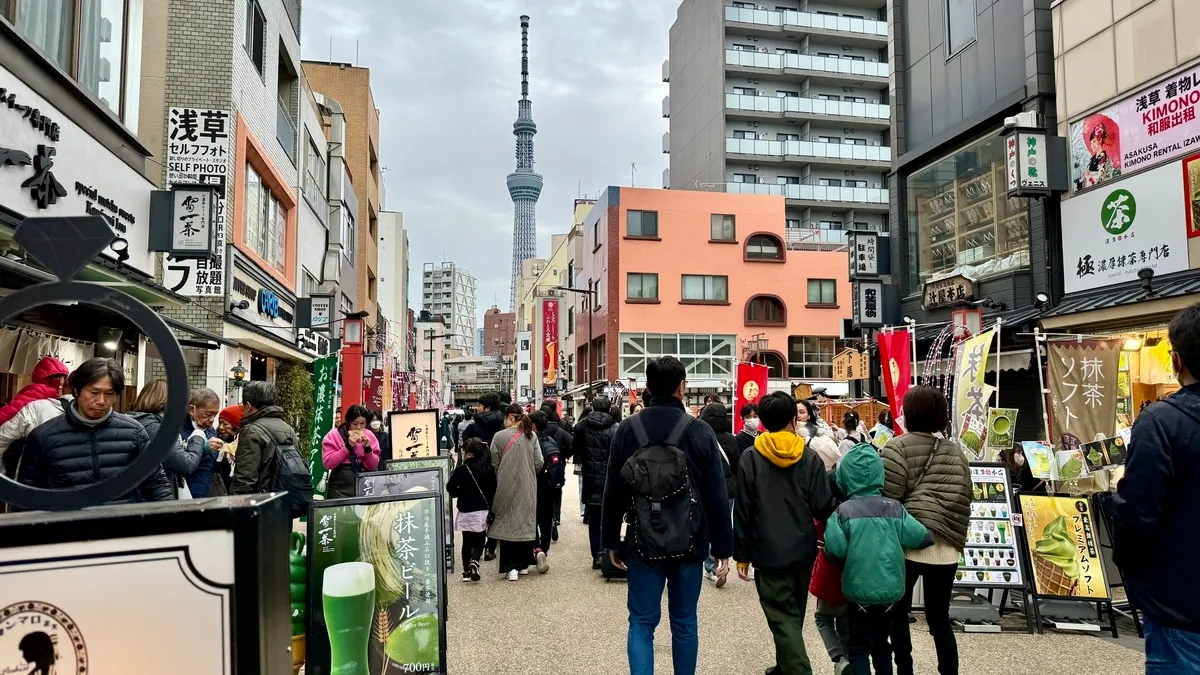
(90, 442)
(489, 419)
(666, 379)
(750, 427)
(593, 440)
(716, 415)
(555, 428)
(782, 487)
(1155, 509)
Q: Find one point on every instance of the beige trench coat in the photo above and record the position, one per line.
(515, 504)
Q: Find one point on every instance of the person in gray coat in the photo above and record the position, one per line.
(184, 458)
(516, 458)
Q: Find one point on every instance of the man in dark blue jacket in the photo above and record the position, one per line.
(666, 379)
(1155, 512)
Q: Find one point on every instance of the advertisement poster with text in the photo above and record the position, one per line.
(1154, 125)
(549, 343)
(1064, 547)
(386, 616)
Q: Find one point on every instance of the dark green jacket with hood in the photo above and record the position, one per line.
(868, 533)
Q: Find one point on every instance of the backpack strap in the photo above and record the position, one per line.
(639, 431)
(681, 427)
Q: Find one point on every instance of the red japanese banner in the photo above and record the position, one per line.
(373, 396)
(895, 358)
(751, 386)
(549, 343)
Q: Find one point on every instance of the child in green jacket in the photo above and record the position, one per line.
(868, 534)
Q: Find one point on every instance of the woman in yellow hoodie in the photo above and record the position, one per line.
(781, 489)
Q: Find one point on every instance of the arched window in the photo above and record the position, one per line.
(773, 363)
(764, 247)
(766, 310)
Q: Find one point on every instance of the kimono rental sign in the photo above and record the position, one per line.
(198, 153)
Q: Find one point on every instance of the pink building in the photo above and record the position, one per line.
(698, 275)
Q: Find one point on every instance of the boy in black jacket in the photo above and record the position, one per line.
(781, 489)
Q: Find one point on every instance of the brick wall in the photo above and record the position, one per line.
(351, 88)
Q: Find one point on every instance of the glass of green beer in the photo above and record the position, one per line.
(348, 601)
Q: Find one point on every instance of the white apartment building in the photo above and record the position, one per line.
(787, 97)
(448, 294)
(393, 278)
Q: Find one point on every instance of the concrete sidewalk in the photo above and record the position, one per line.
(571, 622)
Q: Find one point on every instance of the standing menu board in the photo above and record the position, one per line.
(992, 558)
(444, 464)
(395, 620)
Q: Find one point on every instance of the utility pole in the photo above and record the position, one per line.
(431, 336)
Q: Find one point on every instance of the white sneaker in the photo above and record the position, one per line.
(543, 565)
(711, 576)
(524, 572)
(512, 575)
(751, 573)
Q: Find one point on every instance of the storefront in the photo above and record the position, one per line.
(261, 319)
(61, 154)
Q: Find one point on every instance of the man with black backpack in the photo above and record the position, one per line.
(665, 502)
(268, 459)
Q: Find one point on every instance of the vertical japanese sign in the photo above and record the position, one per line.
(414, 433)
(1032, 165)
(401, 537)
(324, 377)
(865, 303)
(751, 386)
(864, 254)
(198, 153)
(1083, 387)
(1011, 165)
(1064, 547)
(895, 358)
(970, 393)
(550, 345)
(374, 393)
(386, 384)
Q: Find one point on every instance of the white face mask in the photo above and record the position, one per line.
(752, 424)
(375, 425)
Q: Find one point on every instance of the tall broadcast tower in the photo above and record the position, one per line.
(524, 186)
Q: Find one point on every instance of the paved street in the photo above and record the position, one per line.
(570, 622)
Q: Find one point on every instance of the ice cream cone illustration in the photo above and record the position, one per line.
(1054, 560)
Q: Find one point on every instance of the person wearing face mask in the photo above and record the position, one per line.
(382, 435)
(1019, 474)
(749, 432)
(348, 450)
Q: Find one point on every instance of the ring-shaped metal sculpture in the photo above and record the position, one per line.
(177, 392)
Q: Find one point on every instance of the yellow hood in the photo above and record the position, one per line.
(781, 448)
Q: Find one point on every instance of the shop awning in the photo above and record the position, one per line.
(252, 339)
(1013, 319)
(1112, 306)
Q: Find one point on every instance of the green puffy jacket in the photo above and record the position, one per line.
(868, 533)
(941, 498)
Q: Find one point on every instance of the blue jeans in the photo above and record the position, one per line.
(1170, 651)
(645, 587)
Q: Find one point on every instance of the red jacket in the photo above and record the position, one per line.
(826, 583)
(37, 390)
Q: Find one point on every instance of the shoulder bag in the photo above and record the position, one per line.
(936, 443)
(491, 517)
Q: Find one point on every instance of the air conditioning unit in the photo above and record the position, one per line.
(874, 142)
(877, 185)
(874, 100)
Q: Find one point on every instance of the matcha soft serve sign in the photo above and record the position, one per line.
(1119, 228)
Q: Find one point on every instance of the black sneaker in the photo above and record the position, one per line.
(597, 562)
(466, 577)
(554, 533)
(474, 571)
(489, 555)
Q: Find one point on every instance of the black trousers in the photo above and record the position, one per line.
(515, 555)
(558, 506)
(938, 585)
(472, 548)
(545, 517)
(870, 626)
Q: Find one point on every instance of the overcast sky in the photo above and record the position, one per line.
(446, 79)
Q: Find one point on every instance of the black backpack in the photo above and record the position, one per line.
(666, 518)
(554, 469)
(289, 473)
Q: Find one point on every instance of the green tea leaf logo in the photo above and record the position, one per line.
(1118, 212)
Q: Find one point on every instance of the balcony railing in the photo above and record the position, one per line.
(285, 131)
(767, 148)
(822, 193)
(845, 24)
(806, 105)
(818, 239)
(826, 64)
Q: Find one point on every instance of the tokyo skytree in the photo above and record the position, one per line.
(524, 186)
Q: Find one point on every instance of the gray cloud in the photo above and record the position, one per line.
(446, 79)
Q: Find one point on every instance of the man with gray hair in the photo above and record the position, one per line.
(203, 406)
(264, 429)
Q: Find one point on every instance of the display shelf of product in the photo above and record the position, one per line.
(991, 556)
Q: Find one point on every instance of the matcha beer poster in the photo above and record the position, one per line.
(1064, 547)
(376, 586)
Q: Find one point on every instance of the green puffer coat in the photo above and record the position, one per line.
(869, 532)
(941, 499)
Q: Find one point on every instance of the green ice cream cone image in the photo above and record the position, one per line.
(1054, 559)
(1070, 469)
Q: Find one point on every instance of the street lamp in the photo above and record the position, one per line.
(238, 374)
(589, 294)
